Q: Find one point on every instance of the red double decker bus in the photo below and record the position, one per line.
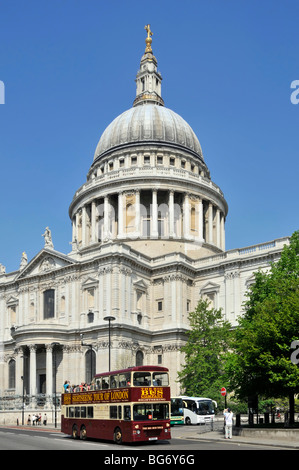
(128, 405)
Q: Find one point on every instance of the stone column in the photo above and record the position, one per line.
(32, 349)
(106, 218)
(154, 226)
(19, 371)
(171, 213)
(49, 369)
(222, 228)
(93, 222)
(210, 223)
(200, 219)
(77, 227)
(137, 213)
(186, 216)
(218, 232)
(120, 215)
(84, 222)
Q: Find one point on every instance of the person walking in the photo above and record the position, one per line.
(228, 418)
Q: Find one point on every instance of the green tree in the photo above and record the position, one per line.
(208, 339)
(261, 361)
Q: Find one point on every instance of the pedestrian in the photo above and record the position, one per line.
(45, 419)
(28, 420)
(228, 423)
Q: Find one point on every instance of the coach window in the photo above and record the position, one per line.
(49, 304)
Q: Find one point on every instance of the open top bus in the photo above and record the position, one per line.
(128, 405)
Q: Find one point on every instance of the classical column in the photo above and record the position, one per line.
(171, 213)
(137, 213)
(222, 229)
(19, 371)
(218, 232)
(32, 349)
(49, 370)
(210, 224)
(106, 217)
(120, 215)
(154, 226)
(74, 230)
(77, 227)
(93, 222)
(84, 222)
(186, 216)
(200, 219)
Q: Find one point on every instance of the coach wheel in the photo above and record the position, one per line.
(83, 433)
(188, 420)
(118, 436)
(75, 433)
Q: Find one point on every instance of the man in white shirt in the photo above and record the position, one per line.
(228, 417)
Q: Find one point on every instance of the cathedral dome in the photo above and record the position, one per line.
(148, 123)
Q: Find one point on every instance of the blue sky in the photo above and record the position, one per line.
(69, 67)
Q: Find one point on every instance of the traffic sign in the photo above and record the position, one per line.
(223, 391)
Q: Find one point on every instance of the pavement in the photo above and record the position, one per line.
(192, 433)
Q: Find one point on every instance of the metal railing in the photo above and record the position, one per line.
(18, 402)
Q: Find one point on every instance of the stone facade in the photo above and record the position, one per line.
(148, 242)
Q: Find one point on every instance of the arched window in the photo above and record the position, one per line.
(12, 374)
(90, 365)
(139, 358)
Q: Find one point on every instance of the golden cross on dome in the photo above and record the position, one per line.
(148, 29)
(148, 40)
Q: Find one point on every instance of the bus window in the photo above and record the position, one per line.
(127, 412)
(113, 381)
(113, 412)
(142, 379)
(160, 379)
(90, 412)
(148, 411)
(71, 411)
(98, 384)
(125, 379)
(83, 411)
(105, 382)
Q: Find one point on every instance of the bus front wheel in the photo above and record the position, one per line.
(188, 421)
(118, 436)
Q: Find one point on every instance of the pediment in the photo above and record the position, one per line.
(210, 287)
(140, 285)
(45, 261)
(89, 282)
(12, 300)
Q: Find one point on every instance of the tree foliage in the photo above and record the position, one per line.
(260, 362)
(208, 339)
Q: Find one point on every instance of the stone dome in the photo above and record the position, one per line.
(148, 123)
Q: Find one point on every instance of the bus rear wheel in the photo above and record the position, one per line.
(83, 433)
(118, 436)
(75, 433)
(188, 421)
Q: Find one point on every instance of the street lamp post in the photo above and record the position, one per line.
(109, 318)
